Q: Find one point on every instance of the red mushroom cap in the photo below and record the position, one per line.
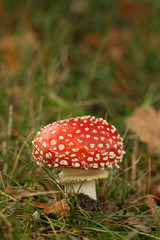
(82, 142)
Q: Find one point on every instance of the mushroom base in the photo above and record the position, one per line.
(82, 181)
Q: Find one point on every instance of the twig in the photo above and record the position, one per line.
(149, 175)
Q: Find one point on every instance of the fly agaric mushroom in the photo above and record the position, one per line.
(83, 147)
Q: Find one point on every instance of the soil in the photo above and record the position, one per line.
(89, 204)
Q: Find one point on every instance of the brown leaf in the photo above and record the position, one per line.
(145, 123)
(53, 206)
(19, 193)
(92, 39)
(151, 203)
(132, 9)
(136, 222)
(13, 48)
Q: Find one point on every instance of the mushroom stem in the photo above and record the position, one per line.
(81, 180)
(86, 187)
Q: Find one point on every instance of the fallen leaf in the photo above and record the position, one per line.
(19, 193)
(53, 206)
(13, 48)
(145, 123)
(92, 39)
(136, 222)
(132, 10)
(151, 203)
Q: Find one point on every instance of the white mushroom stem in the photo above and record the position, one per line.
(81, 180)
(86, 187)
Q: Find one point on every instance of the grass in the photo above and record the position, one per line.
(60, 59)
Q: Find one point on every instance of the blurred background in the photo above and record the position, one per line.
(61, 59)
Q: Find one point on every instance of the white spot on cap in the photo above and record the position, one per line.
(90, 165)
(119, 151)
(61, 147)
(74, 160)
(63, 162)
(113, 129)
(92, 145)
(66, 152)
(117, 166)
(112, 155)
(98, 156)
(48, 155)
(109, 165)
(94, 131)
(75, 149)
(53, 142)
(110, 140)
(96, 138)
(56, 165)
(90, 159)
(102, 164)
(102, 138)
(95, 165)
(49, 165)
(115, 146)
(61, 137)
(107, 145)
(36, 152)
(86, 147)
(81, 124)
(88, 136)
(100, 145)
(44, 131)
(44, 144)
(105, 158)
(86, 129)
(53, 132)
(64, 130)
(82, 135)
(74, 124)
(78, 131)
(70, 144)
(75, 164)
(69, 135)
(104, 153)
(119, 143)
(80, 141)
(73, 155)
